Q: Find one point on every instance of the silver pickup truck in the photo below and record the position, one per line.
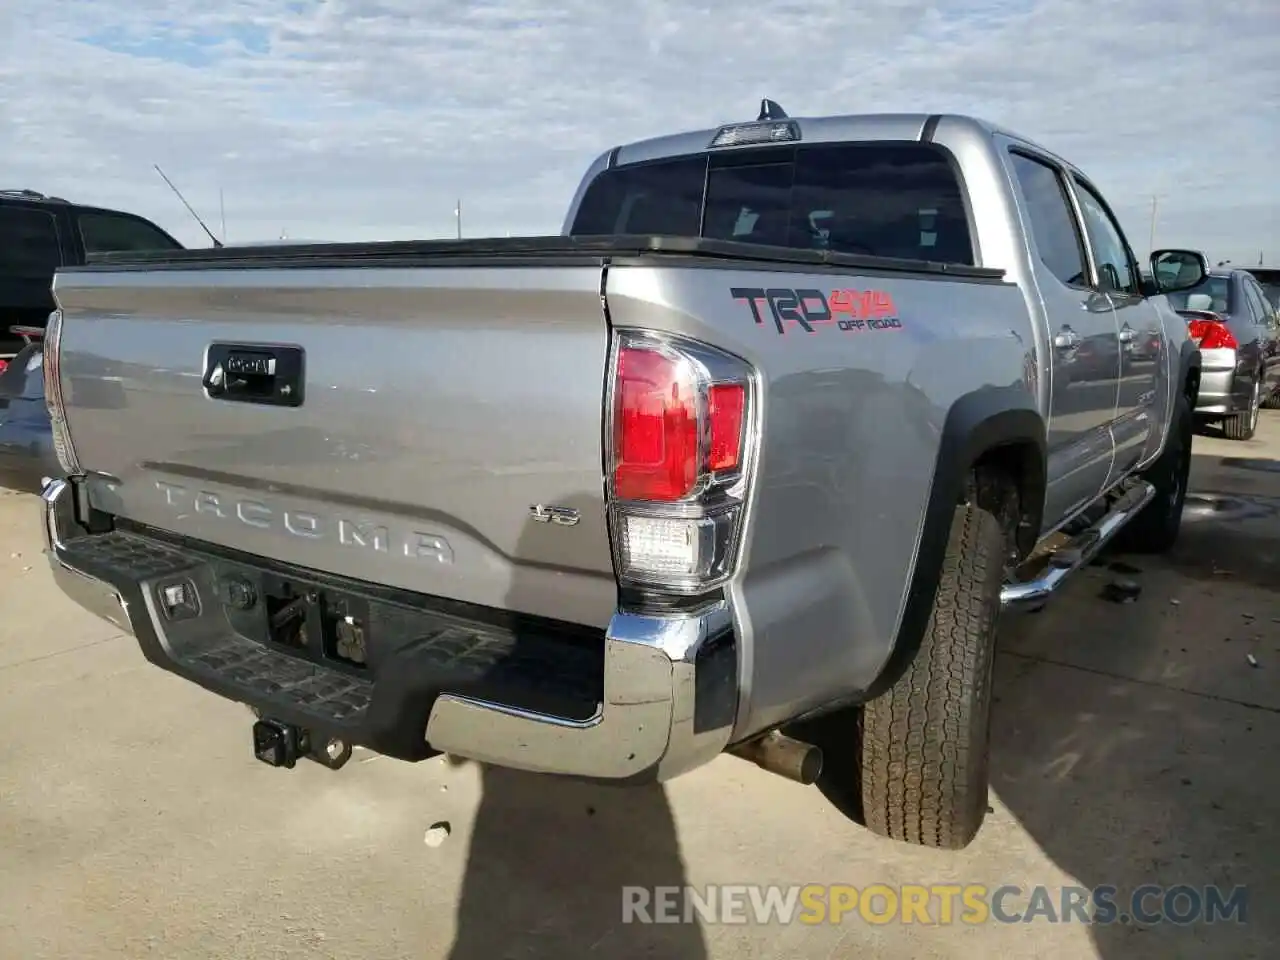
(748, 460)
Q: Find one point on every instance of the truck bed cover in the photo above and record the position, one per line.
(518, 251)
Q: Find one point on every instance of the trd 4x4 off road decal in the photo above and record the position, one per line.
(848, 310)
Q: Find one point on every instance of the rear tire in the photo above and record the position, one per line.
(912, 764)
(1241, 426)
(1156, 528)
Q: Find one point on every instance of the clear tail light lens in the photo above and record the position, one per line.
(681, 441)
(688, 553)
(53, 398)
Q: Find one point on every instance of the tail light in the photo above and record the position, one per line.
(1210, 332)
(681, 445)
(4, 365)
(53, 398)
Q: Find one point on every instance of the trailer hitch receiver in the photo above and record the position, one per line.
(279, 744)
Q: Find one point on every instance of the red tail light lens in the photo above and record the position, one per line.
(678, 425)
(1211, 335)
(655, 427)
(681, 462)
(4, 364)
(726, 406)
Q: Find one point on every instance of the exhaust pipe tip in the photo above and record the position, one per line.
(785, 756)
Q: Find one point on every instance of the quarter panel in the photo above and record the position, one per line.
(851, 428)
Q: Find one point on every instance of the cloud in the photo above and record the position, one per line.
(363, 119)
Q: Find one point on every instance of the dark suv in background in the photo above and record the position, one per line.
(1269, 279)
(39, 234)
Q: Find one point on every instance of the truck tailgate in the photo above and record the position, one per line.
(440, 406)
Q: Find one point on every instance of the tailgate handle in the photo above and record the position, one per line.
(254, 373)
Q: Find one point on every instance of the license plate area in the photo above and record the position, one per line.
(317, 623)
(237, 628)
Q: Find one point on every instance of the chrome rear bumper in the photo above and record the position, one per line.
(58, 524)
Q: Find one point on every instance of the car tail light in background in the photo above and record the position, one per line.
(1210, 332)
(53, 397)
(4, 364)
(681, 444)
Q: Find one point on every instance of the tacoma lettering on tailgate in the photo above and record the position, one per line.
(305, 524)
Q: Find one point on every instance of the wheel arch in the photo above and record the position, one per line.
(1189, 371)
(990, 429)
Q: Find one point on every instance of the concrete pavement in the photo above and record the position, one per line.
(1132, 744)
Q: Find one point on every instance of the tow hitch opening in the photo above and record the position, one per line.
(280, 744)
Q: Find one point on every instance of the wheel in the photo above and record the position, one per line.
(912, 764)
(1240, 426)
(1156, 528)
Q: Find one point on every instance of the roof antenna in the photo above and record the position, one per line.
(216, 241)
(769, 110)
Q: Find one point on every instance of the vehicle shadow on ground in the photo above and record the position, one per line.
(1136, 743)
(548, 862)
(550, 857)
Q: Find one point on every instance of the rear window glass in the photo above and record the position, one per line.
(1212, 293)
(882, 199)
(28, 243)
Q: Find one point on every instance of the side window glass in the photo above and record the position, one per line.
(105, 233)
(28, 243)
(1053, 226)
(1115, 272)
(1258, 304)
(1250, 307)
(1273, 309)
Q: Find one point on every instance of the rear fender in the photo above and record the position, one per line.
(979, 422)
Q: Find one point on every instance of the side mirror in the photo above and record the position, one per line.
(1147, 285)
(1175, 270)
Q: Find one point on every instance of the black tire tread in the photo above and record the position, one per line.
(923, 743)
(1239, 426)
(1236, 427)
(1155, 530)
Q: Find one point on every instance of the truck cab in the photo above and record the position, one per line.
(1101, 333)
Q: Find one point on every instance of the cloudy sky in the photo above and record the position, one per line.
(364, 119)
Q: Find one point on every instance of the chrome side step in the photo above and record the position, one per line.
(1082, 548)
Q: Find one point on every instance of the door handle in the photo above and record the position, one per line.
(1066, 338)
(254, 373)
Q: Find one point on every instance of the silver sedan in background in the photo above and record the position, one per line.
(1233, 322)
